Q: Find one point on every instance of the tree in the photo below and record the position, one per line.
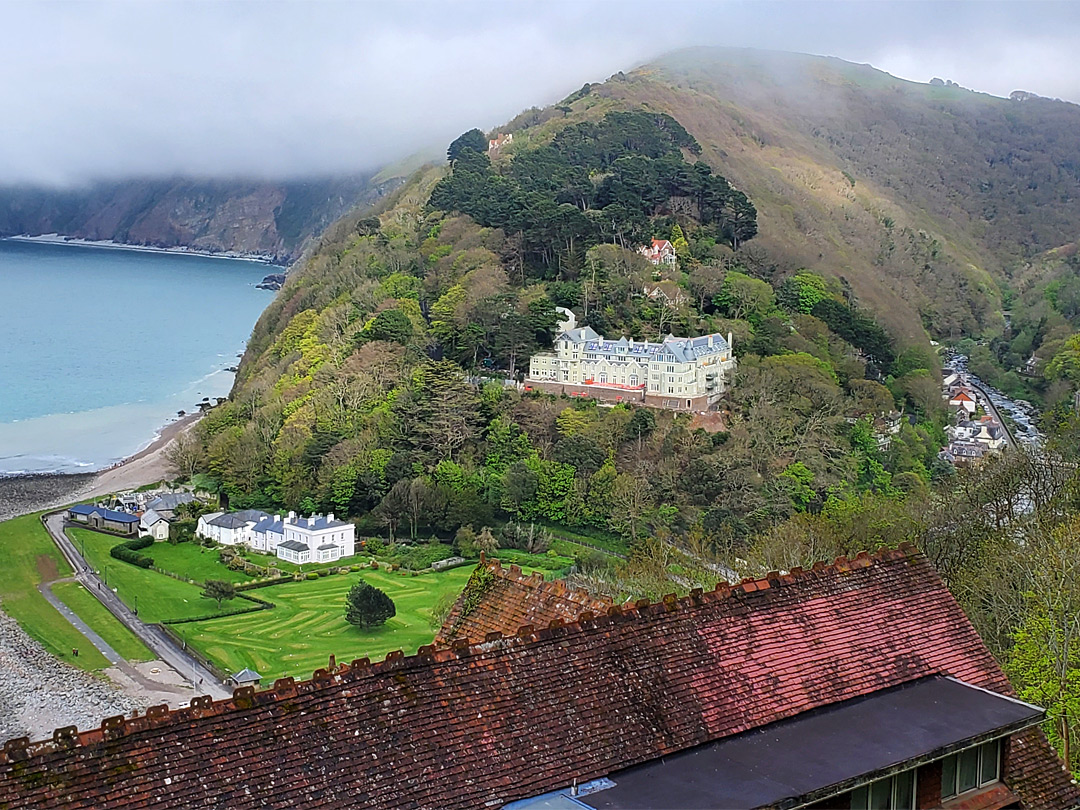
(744, 297)
(391, 325)
(366, 606)
(641, 424)
(184, 455)
(219, 590)
(473, 139)
(486, 541)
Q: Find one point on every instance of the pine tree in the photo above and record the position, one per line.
(367, 606)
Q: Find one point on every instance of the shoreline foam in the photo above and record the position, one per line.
(23, 494)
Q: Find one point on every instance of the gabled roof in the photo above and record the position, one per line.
(106, 514)
(246, 676)
(516, 716)
(149, 518)
(170, 500)
(269, 524)
(509, 600)
(82, 509)
(235, 520)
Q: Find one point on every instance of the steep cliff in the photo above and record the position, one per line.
(267, 218)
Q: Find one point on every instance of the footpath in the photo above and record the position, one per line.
(202, 681)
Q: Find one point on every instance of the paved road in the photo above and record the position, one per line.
(201, 679)
(995, 413)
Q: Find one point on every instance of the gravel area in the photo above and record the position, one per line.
(20, 494)
(39, 693)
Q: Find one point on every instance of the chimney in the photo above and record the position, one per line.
(292, 517)
(710, 341)
(729, 343)
(277, 518)
(330, 517)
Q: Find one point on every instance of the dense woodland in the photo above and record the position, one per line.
(374, 387)
(363, 391)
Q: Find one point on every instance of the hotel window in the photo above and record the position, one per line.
(894, 793)
(970, 769)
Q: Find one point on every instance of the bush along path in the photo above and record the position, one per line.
(201, 679)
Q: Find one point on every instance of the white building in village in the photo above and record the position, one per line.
(319, 538)
(676, 373)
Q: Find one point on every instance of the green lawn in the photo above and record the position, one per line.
(546, 564)
(192, 561)
(31, 557)
(158, 597)
(308, 624)
(91, 611)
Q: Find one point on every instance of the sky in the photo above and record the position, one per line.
(102, 90)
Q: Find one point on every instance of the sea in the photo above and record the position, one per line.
(101, 347)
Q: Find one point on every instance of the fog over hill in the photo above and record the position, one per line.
(917, 195)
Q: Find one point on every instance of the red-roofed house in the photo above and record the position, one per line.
(855, 685)
(659, 252)
(499, 141)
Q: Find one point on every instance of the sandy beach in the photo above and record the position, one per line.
(22, 494)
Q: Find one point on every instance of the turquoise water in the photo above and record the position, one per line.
(100, 347)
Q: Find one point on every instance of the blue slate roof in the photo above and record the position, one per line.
(106, 514)
(318, 522)
(82, 509)
(269, 525)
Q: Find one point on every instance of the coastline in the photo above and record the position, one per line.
(181, 250)
(23, 494)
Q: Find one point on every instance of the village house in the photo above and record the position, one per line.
(660, 251)
(962, 398)
(295, 539)
(160, 512)
(859, 684)
(667, 291)
(688, 374)
(499, 141)
(102, 519)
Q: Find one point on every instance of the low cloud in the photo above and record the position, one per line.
(103, 90)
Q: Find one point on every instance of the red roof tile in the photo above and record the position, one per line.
(501, 600)
(480, 725)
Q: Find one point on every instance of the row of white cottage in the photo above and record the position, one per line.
(319, 538)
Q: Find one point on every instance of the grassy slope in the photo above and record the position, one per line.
(28, 554)
(899, 188)
(91, 611)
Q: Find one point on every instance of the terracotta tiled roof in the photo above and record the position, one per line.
(500, 600)
(475, 726)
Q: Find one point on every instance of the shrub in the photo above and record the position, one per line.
(355, 567)
(311, 575)
(373, 545)
(128, 551)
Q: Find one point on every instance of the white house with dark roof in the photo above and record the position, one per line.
(675, 373)
(318, 538)
(230, 528)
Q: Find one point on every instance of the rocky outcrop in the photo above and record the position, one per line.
(275, 220)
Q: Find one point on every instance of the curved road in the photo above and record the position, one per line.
(201, 679)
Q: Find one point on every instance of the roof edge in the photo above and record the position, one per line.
(246, 697)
